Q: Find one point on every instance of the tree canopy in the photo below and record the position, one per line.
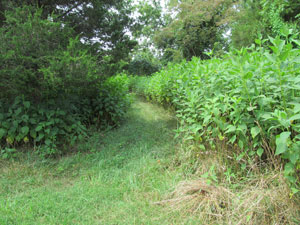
(102, 24)
(197, 28)
(116, 30)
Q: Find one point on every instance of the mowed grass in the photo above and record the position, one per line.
(124, 172)
(138, 174)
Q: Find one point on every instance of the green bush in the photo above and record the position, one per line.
(44, 124)
(138, 84)
(51, 91)
(248, 99)
(142, 66)
(144, 63)
(41, 60)
(115, 98)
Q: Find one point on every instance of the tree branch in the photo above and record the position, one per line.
(69, 10)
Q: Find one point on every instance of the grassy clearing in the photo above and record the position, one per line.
(136, 175)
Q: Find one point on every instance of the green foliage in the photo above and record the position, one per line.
(138, 84)
(115, 99)
(102, 24)
(271, 15)
(249, 100)
(262, 18)
(291, 12)
(51, 90)
(198, 25)
(8, 153)
(144, 63)
(150, 18)
(28, 44)
(40, 61)
(247, 24)
(25, 123)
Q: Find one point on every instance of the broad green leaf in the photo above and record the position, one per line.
(295, 190)
(294, 157)
(258, 41)
(25, 130)
(241, 144)
(19, 137)
(297, 42)
(48, 142)
(33, 134)
(202, 147)
(295, 117)
(26, 104)
(206, 119)
(230, 129)
(270, 57)
(289, 168)
(232, 140)
(18, 111)
(267, 116)
(32, 121)
(25, 118)
(2, 132)
(255, 131)
(38, 128)
(248, 75)
(260, 151)
(40, 137)
(281, 142)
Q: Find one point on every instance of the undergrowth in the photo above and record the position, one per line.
(248, 101)
(138, 174)
(52, 90)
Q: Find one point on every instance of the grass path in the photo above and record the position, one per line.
(125, 171)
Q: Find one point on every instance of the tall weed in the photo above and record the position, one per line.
(249, 99)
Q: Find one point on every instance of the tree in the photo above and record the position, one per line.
(263, 18)
(198, 27)
(150, 19)
(247, 23)
(102, 24)
(144, 63)
(40, 60)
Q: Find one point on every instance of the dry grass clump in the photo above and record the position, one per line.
(259, 200)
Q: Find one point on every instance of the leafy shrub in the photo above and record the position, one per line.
(138, 84)
(44, 124)
(114, 98)
(248, 99)
(41, 60)
(144, 63)
(51, 91)
(142, 66)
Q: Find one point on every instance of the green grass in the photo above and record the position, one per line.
(119, 176)
(125, 172)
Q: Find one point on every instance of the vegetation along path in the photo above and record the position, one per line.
(138, 174)
(115, 183)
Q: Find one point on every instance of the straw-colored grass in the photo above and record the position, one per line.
(261, 197)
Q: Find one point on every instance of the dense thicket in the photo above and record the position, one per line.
(248, 101)
(198, 27)
(102, 24)
(56, 55)
(262, 18)
(51, 88)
